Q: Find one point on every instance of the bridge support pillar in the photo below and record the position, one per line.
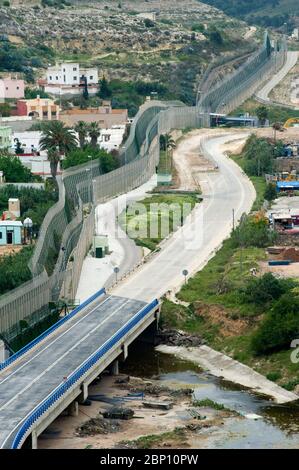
(84, 394)
(114, 368)
(125, 352)
(33, 440)
(73, 408)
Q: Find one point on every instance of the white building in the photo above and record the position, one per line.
(34, 159)
(69, 79)
(111, 139)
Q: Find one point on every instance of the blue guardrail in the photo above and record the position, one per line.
(50, 330)
(71, 381)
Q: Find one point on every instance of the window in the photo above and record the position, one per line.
(91, 77)
(1, 235)
(7, 88)
(64, 70)
(74, 69)
(18, 87)
(50, 78)
(75, 78)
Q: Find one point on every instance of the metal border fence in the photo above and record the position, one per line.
(243, 82)
(84, 184)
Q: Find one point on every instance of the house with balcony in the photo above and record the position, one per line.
(39, 108)
(71, 79)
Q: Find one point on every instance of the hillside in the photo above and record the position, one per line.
(262, 12)
(173, 48)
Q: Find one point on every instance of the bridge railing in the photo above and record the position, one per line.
(72, 380)
(50, 330)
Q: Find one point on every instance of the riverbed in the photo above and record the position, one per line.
(266, 425)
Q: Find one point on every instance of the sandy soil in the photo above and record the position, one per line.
(10, 249)
(63, 431)
(190, 163)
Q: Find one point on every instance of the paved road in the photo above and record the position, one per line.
(27, 383)
(292, 58)
(211, 222)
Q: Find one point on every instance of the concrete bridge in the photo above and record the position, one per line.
(53, 372)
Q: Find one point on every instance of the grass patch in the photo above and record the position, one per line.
(209, 403)
(153, 440)
(153, 219)
(165, 162)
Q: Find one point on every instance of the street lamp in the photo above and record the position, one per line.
(28, 224)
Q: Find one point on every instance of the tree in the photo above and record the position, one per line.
(57, 135)
(265, 289)
(262, 114)
(270, 192)
(105, 91)
(13, 170)
(82, 130)
(167, 142)
(280, 326)
(54, 158)
(94, 133)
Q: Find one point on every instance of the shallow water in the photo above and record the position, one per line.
(278, 426)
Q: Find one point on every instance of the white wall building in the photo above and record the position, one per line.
(111, 139)
(68, 79)
(37, 164)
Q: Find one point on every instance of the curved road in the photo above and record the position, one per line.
(210, 223)
(263, 94)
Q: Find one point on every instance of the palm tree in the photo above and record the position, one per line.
(82, 130)
(94, 133)
(54, 158)
(167, 142)
(57, 136)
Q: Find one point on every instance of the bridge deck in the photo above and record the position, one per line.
(26, 383)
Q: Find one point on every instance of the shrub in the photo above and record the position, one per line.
(252, 232)
(280, 326)
(266, 289)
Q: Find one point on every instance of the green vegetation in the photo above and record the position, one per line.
(14, 270)
(107, 161)
(264, 13)
(34, 202)
(275, 113)
(251, 319)
(209, 403)
(22, 58)
(156, 440)
(279, 327)
(152, 219)
(130, 95)
(14, 171)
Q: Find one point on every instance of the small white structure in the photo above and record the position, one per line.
(69, 78)
(111, 139)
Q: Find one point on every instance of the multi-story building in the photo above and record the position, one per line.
(5, 137)
(38, 108)
(11, 88)
(70, 79)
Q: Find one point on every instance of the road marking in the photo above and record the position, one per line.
(62, 357)
(32, 411)
(54, 341)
